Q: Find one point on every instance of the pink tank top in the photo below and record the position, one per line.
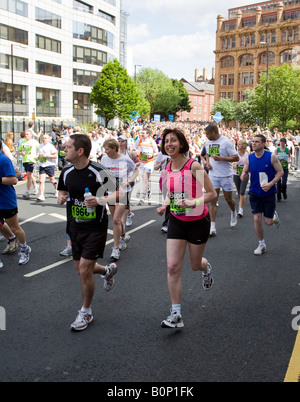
(183, 185)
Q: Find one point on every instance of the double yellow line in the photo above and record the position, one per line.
(293, 372)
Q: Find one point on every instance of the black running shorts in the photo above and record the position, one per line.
(195, 232)
(88, 245)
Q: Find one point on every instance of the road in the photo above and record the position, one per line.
(240, 331)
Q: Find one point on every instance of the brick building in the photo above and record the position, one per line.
(252, 38)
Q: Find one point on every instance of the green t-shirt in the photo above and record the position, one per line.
(30, 148)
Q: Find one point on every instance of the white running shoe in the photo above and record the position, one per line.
(233, 219)
(41, 198)
(173, 321)
(115, 253)
(24, 255)
(276, 220)
(67, 252)
(260, 250)
(207, 279)
(56, 193)
(109, 280)
(129, 219)
(212, 232)
(35, 190)
(122, 244)
(1, 264)
(82, 321)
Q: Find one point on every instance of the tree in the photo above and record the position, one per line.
(115, 93)
(226, 107)
(278, 94)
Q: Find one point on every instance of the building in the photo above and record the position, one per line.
(253, 38)
(58, 48)
(201, 95)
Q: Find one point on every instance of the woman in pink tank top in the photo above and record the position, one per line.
(189, 189)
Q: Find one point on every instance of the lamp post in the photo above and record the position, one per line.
(268, 46)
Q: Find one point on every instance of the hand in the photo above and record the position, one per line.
(62, 198)
(186, 203)
(91, 202)
(161, 210)
(266, 187)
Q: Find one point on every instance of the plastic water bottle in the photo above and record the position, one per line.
(87, 195)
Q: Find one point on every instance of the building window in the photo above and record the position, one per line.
(13, 34)
(247, 60)
(82, 109)
(47, 102)
(20, 64)
(46, 17)
(42, 42)
(20, 105)
(268, 19)
(291, 15)
(52, 70)
(85, 78)
(223, 79)
(90, 56)
(107, 16)
(289, 35)
(15, 6)
(92, 34)
(81, 6)
(289, 56)
(263, 58)
(227, 61)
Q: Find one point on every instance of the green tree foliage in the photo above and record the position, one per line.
(226, 107)
(115, 93)
(277, 95)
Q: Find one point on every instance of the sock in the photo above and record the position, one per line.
(23, 246)
(262, 243)
(12, 238)
(85, 310)
(213, 225)
(176, 308)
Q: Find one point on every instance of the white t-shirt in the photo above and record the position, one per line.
(47, 149)
(122, 168)
(221, 147)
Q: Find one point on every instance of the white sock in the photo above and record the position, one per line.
(85, 310)
(213, 225)
(262, 243)
(176, 308)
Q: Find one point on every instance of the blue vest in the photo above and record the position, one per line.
(257, 165)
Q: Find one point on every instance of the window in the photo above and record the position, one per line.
(42, 42)
(247, 60)
(90, 56)
(230, 79)
(289, 56)
(92, 34)
(227, 61)
(82, 109)
(85, 78)
(52, 70)
(46, 17)
(263, 58)
(47, 102)
(15, 6)
(81, 6)
(223, 79)
(107, 16)
(20, 64)
(13, 34)
(268, 19)
(20, 99)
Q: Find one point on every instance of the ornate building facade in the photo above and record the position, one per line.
(252, 39)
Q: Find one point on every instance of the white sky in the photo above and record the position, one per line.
(175, 36)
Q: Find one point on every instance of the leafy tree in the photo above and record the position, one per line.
(115, 93)
(226, 107)
(277, 95)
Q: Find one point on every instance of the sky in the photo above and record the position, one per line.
(174, 36)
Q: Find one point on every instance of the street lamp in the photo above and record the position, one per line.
(268, 45)
(13, 86)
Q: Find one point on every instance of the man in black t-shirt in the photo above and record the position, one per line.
(87, 219)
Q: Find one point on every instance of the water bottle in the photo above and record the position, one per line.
(87, 195)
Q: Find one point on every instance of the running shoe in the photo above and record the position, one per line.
(82, 321)
(115, 253)
(1, 264)
(26, 196)
(12, 246)
(129, 219)
(109, 280)
(122, 244)
(35, 190)
(173, 321)
(67, 252)
(24, 255)
(56, 193)
(241, 213)
(41, 198)
(233, 219)
(212, 232)
(260, 250)
(2, 238)
(276, 220)
(207, 279)
(164, 229)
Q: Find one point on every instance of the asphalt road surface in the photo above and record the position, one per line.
(240, 331)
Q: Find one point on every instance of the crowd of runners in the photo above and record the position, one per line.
(95, 172)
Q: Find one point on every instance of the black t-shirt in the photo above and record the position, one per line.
(99, 181)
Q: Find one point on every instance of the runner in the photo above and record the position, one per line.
(125, 173)
(284, 156)
(87, 219)
(241, 186)
(266, 171)
(48, 161)
(29, 149)
(189, 221)
(9, 206)
(147, 150)
(220, 156)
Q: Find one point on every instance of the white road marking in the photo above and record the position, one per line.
(32, 219)
(64, 261)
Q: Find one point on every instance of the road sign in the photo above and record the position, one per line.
(218, 117)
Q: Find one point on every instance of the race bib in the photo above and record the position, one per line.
(80, 214)
(174, 207)
(214, 149)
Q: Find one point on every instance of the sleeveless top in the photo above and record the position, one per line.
(283, 157)
(183, 185)
(258, 166)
